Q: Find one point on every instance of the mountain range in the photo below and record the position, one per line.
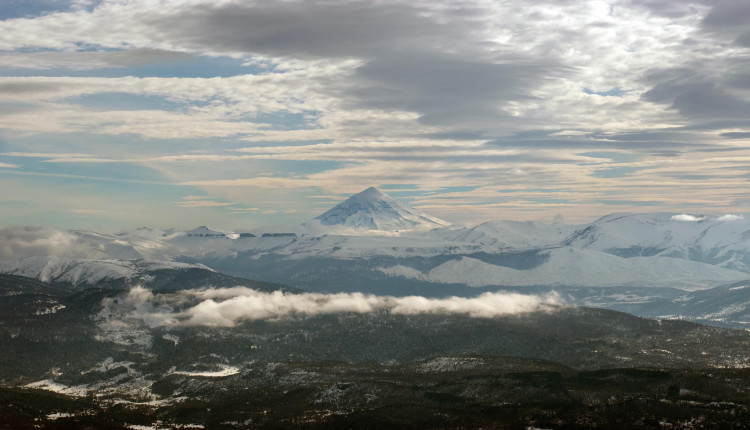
(375, 314)
(371, 243)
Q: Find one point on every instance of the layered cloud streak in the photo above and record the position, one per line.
(335, 96)
(227, 307)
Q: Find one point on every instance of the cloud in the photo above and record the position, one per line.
(736, 135)
(88, 59)
(380, 81)
(730, 217)
(227, 307)
(435, 60)
(29, 241)
(688, 218)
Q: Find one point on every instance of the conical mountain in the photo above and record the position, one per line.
(372, 209)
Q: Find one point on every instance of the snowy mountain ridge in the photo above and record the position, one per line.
(374, 210)
(384, 244)
(77, 272)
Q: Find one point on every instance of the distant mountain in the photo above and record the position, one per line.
(85, 273)
(511, 234)
(570, 266)
(374, 210)
(720, 240)
(373, 244)
(40, 274)
(204, 231)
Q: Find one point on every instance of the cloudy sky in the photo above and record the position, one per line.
(239, 113)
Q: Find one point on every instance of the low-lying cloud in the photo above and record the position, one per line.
(730, 217)
(29, 241)
(688, 218)
(227, 307)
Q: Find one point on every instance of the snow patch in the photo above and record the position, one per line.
(225, 371)
(49, 310)
(449, 364)
(171, 338)
(50, 385)
(402, 271)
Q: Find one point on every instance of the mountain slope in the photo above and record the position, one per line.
(374, 210)
(722, 241)
(511, 234)
(580, 267)
(86, 273)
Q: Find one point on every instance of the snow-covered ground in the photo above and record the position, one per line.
(578, 267)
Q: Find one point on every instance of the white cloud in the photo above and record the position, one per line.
(385, 83)
(227, 307)
(688, 218)
(730, 217)
(31, 241)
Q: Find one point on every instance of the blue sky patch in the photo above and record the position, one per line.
(612, 92)
(615, 172)
(617, 157)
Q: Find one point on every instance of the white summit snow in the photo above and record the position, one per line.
(374, 210)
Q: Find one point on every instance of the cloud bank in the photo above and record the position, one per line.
(227, 307)
(29, 241)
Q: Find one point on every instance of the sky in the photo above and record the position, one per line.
(116, 114)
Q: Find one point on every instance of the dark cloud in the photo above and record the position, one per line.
(310, 29)
(730, 20)
(456, 135)
(448, 89)
(743, 39)
(727, 14)
(710, 101)
(436, 63)
(699, 94)
(736, 135)
(89, 59)
(30, 88)
(671, 9)
(705, 92)
(725, 17)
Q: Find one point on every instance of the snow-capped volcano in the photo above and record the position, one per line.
(374, 210)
